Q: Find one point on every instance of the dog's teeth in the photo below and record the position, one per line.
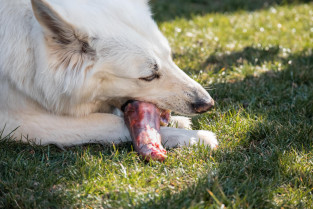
(165, 117)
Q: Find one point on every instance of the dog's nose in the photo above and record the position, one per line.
(202, 107)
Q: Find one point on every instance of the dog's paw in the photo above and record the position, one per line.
(208, 138)
(172, 137)
(180, 122)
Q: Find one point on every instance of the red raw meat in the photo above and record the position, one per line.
(143, 122)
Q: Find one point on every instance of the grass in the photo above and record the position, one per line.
(256, 59)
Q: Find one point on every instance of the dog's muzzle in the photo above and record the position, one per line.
(203, 106)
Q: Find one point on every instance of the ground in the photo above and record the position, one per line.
(255, 58)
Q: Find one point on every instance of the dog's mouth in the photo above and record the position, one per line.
(165, 115)
(165, 107)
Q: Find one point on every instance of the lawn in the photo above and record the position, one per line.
(255, 58)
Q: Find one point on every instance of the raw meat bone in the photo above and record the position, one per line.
(143, 122)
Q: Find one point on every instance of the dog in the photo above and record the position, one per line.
(67, 67)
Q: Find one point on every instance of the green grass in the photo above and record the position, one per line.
(256, 59)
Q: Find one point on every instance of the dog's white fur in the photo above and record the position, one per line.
(66, 65)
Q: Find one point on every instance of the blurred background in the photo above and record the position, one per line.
(166, 10)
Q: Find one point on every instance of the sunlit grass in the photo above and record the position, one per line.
(257, 64)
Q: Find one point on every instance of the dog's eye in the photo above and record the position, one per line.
(85, 47)
(150, 78)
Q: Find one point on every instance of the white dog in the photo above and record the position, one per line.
(66, 65)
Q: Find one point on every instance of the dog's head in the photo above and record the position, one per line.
(113, 51)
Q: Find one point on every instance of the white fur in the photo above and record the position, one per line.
(71, 102)
(180, 122)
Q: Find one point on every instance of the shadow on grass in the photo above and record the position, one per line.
(165, 10)
(249, 55)
(249, 174)
(33, 176)
(246, 174)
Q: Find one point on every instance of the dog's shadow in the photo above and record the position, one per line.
(253, 166)
(281, 97)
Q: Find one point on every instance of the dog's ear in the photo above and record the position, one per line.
(52, 22)
(64, 41)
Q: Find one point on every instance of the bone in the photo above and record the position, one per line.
(143, 122)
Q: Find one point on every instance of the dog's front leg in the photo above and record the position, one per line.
(69, 131)
(175, 137)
